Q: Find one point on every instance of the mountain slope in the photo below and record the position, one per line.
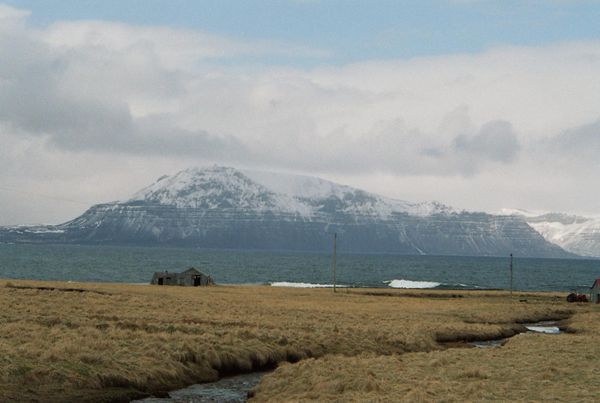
(220, 207)
(574, 233)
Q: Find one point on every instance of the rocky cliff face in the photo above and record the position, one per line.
(221, 207)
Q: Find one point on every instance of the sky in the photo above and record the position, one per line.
(481, 105)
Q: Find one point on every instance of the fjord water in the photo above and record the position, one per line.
(137, 264)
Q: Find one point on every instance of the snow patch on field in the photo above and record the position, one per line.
(303, 285)
(412, 284)
(544, 329)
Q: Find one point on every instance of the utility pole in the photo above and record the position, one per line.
(511, 275)
(333, 258)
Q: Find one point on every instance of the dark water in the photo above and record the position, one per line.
(226, 390)
(137, 264)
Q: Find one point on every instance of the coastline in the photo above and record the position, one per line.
(137, 265)
(116, 342)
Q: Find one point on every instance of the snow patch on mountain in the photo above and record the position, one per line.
(574, 233)
(519, 212)
(313, 188)
(296, 195)
(306, 187)
(219, 207)
(298, 185)
(218, 188)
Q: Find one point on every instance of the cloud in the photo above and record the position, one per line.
(113, 87)
(173, 48)
(11, 17)
(112, 93)
(581, 142)
(495, 141)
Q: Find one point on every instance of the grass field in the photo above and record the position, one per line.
(529, 367)
(113, 342)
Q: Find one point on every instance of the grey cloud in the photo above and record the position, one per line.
(156, 134)
(33, 100)
(161, 100)
(105, 98)
(495, 141)
(150, 136)
(40, 95)
(125, 101)
(582, 141)
(396, 149)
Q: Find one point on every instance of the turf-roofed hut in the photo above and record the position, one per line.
(190, 277)
(595, 292)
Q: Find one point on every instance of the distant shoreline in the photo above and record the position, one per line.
(137, 265)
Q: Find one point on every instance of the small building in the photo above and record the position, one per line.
(595, 292)
(190, 277)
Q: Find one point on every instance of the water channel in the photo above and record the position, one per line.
(545, 327)
(235, 389)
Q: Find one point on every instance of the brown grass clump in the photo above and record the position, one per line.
(122, 341)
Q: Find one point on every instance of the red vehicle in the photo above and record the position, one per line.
(576, 297)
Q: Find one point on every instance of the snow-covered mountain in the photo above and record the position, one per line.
(221, 207)
(574, 233)
(292, 195)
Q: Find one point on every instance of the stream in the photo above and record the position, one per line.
(545, 327)
(233, 389)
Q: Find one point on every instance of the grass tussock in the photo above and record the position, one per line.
(111, 342)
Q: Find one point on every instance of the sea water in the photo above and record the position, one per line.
(137, 264)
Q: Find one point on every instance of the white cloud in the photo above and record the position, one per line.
(179, 49)
(10, 17)
(110, 93)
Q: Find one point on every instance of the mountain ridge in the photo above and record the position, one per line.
(286, 193)
(223, 207)
(574, 233)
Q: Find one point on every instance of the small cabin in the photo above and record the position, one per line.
(190, 277)
(595, 292)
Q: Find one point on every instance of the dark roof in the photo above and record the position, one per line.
(192, 270)
(172, 273)
(596, 282)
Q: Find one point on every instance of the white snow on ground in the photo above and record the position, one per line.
(308, 187)
(412, 284)
(574, 233)
(304, 285)
(295, 195)
(562, 234)
(45, 231)
(544, 329)
(298, 185)
(519, 212)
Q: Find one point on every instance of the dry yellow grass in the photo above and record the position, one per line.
(121, 341)
(529, 367)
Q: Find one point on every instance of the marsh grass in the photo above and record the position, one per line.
(529, 367)
(122, 341)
